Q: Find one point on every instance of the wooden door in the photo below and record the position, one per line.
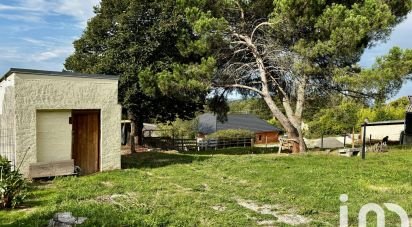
(86, 140)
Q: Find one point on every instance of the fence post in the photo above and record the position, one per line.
(321, 142)
(344, 141)
(364, 141)
(173, 140)
(353, 137)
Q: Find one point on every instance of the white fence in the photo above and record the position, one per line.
(7, 145)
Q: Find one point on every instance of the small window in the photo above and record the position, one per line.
(260, 137)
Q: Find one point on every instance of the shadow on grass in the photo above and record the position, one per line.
(235, 151)
(157, 159)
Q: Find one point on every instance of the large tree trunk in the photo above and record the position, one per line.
(139, 131)
(132, 131)
(290, 120)
(302, 144)
(293, 132)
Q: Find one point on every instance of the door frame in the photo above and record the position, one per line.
(88, 111)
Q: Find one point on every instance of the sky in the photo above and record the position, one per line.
(39, 34)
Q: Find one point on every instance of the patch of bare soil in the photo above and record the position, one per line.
(107, 184)
(281, 213)
(219, 208)
(121, 200)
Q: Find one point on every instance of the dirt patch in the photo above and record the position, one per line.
(404, 188)
(378, 188)
(181, 188)
(110, 198)
(267, 222)
(107, 184)
(219, 208)
(281, 213)
(121, 200)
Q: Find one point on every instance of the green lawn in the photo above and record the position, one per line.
(157, 189)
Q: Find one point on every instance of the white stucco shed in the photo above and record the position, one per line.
(50, 121)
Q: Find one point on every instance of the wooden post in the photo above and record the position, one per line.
(321, 142)
(364, 141)
(370, 140)
(344, 141)
(353, 137)
(173, 140)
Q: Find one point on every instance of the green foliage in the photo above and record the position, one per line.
(231, 133)
(334, 121)
(349, 114)
(334, 32)
(274, 122)
(320, 42)
(179, 129)
(164, 65)
(386, 76)
(331, 36)
(381, 113)
(254, 106)
(12, 186)
(218, 105)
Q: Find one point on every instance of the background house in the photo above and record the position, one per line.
(264, 132)
(51, 119)
(396, 130)
(380, 129)
(149, 130)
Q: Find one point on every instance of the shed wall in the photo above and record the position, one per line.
(266, 137)
(378, 132)
(41, 92)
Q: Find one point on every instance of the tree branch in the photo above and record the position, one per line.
(254, 30)
(300, 98)
(239, 86)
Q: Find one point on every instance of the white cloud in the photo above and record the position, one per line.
(6, 7)
(25, 17)
(41, 36)
(36, 10)
(10, 54)
(37, 42)
(79, 9)
(53, 53)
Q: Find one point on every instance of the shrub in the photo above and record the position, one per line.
(231, 133)
(13, 187)
(179, 129)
